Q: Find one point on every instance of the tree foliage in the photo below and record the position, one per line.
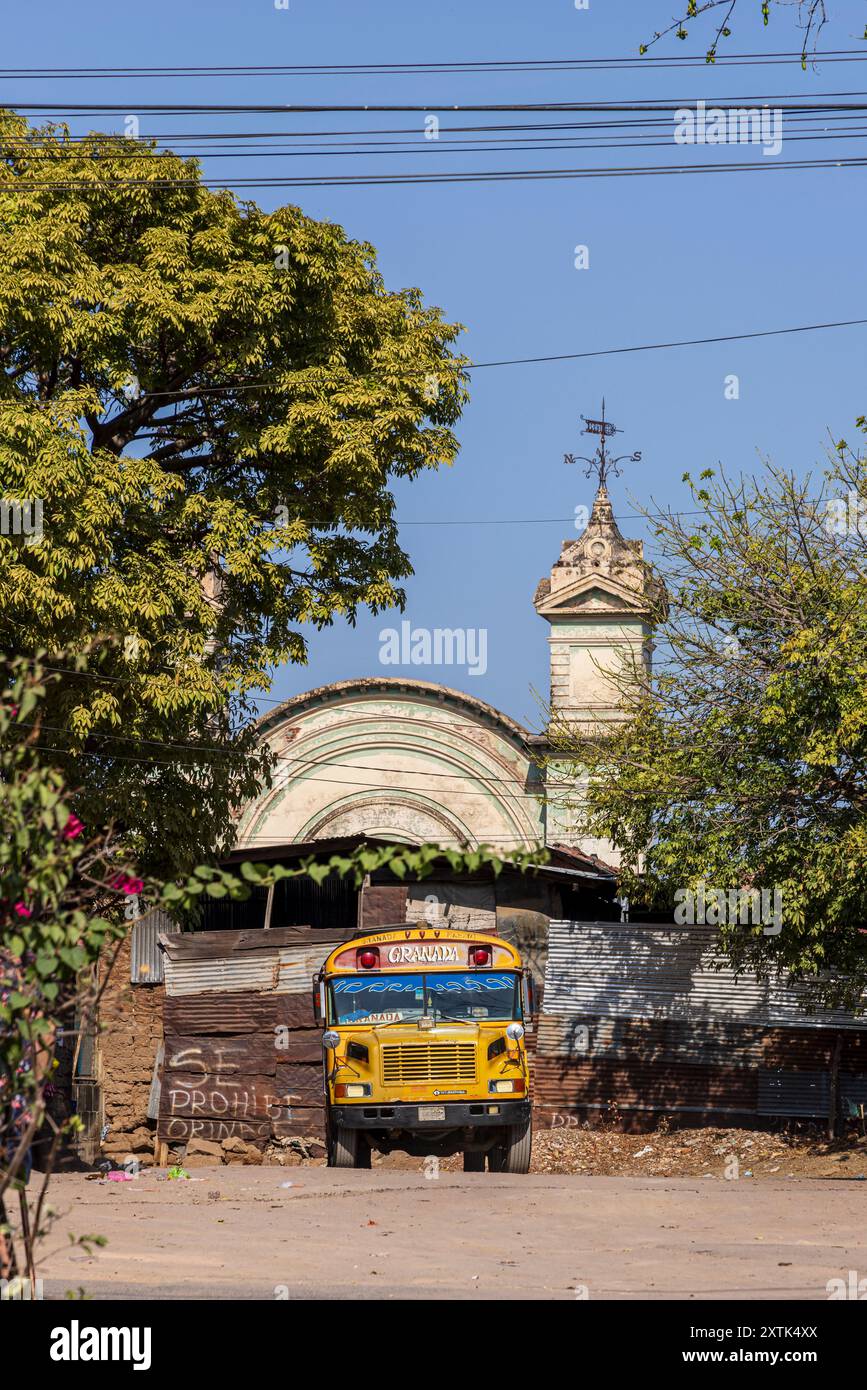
(811, 18)
(210, 403)
(67, 896)
(743, 763)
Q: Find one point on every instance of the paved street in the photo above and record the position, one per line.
(400, 1234)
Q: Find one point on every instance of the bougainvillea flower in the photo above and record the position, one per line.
(125, 884)
(73, 828)
(21, 910)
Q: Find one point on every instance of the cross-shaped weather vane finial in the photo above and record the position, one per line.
(601, 463)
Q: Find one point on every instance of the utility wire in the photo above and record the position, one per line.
(434, 146)
(35, 139)
(654, 105)
(327, 764)
(453, 176)
(629, 62)
(678, 794)
(471, 367)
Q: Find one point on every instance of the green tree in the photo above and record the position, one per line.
(742, 764)
(203, 408)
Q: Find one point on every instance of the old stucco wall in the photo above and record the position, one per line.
(131, 1030)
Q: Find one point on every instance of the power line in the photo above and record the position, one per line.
(628, 62)
(495, 146)
(34, 139)
(453, 176)
(656, 105)
(678, 794)
(469, 368)
(328, 764)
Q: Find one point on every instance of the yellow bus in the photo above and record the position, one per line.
(424, 1047)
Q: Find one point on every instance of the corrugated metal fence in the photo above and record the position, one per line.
(243, 1053)
(640, 1019)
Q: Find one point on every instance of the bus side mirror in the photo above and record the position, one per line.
(318, 999)
(529, 995)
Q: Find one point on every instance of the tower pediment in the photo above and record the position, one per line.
(589, 593)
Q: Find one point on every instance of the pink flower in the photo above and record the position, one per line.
(73, 828)
(22, 911)
(124, 884)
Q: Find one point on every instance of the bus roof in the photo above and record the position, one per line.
(414, 944)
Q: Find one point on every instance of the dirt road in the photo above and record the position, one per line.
(239, 1233)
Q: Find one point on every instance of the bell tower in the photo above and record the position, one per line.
(599, 602)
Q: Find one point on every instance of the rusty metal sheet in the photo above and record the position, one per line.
(246, 1098)
(301, 1046)
(146, 958)
(798, 1049)
(638, 1119)
(302, 1083)
(303, 1122)
(383, 904)
(215, 945)
(248, 971)
(561, 1084)
(296, 967)
(804, 1093)
(271, 969)
(179, 1129)
(659, 1040)
(295, 1011)
(206, 1058)
(247, 1012)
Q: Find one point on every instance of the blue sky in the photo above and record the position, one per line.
(670, 258)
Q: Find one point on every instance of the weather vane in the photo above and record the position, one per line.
(602, 464)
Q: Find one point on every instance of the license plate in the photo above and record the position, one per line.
(431, 1112)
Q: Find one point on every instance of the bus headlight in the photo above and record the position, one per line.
(351, 1090)
(500, 1088)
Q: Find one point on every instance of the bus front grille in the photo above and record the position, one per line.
(414, 1062)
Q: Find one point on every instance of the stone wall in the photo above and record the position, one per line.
(131, 1030)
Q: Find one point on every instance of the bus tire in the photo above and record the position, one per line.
(343, 1151)
(474, 1160)
(513, 1155)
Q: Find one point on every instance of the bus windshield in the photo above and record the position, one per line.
(464, 997)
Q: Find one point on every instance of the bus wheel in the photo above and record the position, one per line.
(513, 1155)
(344, 1149)
(474, 1161)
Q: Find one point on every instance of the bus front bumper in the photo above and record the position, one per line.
(434, 1115)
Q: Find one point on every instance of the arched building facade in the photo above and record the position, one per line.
(405, 760)
(413, 761)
